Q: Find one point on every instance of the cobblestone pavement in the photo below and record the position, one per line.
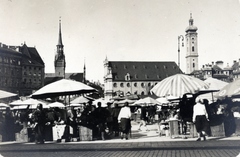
(142, 144)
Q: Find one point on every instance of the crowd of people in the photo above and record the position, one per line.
(115, 120)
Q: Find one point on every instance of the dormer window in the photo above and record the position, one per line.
(125, 67)
(127, 77)
(134, 67)
(144, 66)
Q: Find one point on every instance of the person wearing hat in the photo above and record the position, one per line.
(124, 118)
(200, 118)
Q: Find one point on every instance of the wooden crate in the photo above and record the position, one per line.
(218, 130)
(237, 122)
(22, 136)
(174, 128)
(85, 134)
(57, 132)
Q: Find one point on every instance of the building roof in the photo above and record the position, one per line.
(31, 55)
(143, 71)
(6, 50)
(191, 27)
(50, 77)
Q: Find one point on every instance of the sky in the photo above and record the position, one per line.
(121, 30)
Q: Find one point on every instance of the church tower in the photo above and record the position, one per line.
(59, 61)
(192, 47)
(108, 80)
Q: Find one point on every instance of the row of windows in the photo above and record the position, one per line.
(134, 84)
(5, 82)
(10, 71)
(31, 74)
(128, 78)
(9, 82)
(144, 67)
(9, 60)
(32, 68)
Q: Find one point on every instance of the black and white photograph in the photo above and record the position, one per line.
(124, 78)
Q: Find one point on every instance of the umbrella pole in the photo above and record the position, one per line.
(69, 100)
(212, 97)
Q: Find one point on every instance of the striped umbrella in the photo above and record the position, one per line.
(177, 85)
(230, 90)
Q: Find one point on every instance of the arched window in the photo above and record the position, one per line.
(128, 84)
(114, 84)
(142, 84)
(142, 93)
(193, 49)
(135, 84)
(121, 85)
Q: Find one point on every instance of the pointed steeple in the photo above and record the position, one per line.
(84, 72)
(60, 33)
(60, 62)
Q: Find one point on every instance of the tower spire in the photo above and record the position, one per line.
(60, 62)
(84, 72)
(60, 33)
(190, 20)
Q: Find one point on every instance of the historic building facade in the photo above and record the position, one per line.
(191, 47)
(132, 77)
(21, 70)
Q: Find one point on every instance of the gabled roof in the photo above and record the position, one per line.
(143, 71)
(215, 67)
(235, 65)
(31, 54)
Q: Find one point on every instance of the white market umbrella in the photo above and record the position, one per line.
(5, 94)
(3, 105)
(76, 105)
(148, 101)
(61, 88)
(230, 90)
(80, 100)
(56, 104)
(32, 102)
(163, 100)
(16, 102)
(177, 85)
(214, 86)
(19, 107)
(122, 102)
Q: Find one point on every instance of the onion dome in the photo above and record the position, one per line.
(191, 27)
